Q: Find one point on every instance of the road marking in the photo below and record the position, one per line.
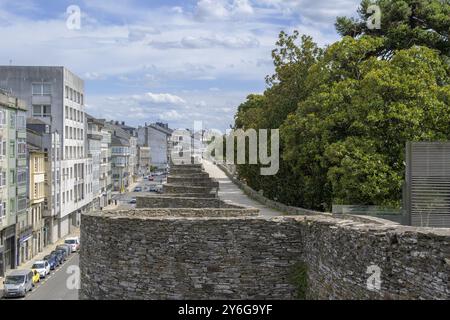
(45, 280)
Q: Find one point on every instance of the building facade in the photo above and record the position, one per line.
(105, 178)
(144, 160)
(94, 138)
(56, 96)
(36, 187)
(122, 172)
(41, 137)
(13, 178)
(157, 138)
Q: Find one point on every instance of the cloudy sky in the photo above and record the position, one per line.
(174, 61)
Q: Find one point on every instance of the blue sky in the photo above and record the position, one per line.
(173, 61)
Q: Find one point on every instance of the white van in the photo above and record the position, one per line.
(18, 283)
(74, 243)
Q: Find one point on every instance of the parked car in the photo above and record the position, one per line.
(152, 189)
(159, 188)
(59, 256)
(74, 243)
(52, 261)
(65, 247)
(137, 189)
(151, 178)
(132, 201)
(18, 283)
(36, 276)
(62, 252)
(42, 267)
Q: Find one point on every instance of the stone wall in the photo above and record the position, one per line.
(228, 254)
(181, 202)
(190, 179)
(177, 188)
(193, 181)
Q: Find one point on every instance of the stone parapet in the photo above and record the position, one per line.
(221, 254)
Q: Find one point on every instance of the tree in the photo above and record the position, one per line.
(348, 137)
(345, 112)
(404, 24)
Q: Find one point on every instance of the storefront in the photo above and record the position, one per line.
(9, 248)
(2, 265)
(24, 245)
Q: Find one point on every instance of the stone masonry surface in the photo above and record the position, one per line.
(213, 252)
(250, 257)
(181, 202)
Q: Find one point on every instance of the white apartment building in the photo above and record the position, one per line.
(56, 96)
(156, 137)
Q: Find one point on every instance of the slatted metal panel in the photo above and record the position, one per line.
(428, 183)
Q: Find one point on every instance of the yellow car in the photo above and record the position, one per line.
(36, 276)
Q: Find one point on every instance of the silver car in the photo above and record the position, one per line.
(18, 283)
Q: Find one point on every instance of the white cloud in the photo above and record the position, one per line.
(170, 115)
(178, 10)
(162, 98)
(222, 9)
(207, 9)
(180, 56)
(242, 7)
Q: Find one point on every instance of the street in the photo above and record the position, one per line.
(55, 285)
(123, 200)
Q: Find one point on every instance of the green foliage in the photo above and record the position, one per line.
(346, 112)
(404, 23)
(299, 278)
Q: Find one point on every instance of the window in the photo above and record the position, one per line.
(78, 97)
(82, 99)
(2, 118)
(12, 149)
(21, 177)
(2, 178)
(2, 209)
(22, 204)
(12, 204)
(71, 94)
(67, 113)
(12, 120)
(12, 177)
(41, 89)
(21, 122)
(21, 148)
(42, 110)
(2, 148)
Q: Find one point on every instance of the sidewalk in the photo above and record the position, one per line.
(229, 191)
(134, 184)
(40, 256)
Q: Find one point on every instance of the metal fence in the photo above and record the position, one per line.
(427, 196)
(392, 214)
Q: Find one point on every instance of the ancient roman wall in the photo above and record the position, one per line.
(232, 254)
